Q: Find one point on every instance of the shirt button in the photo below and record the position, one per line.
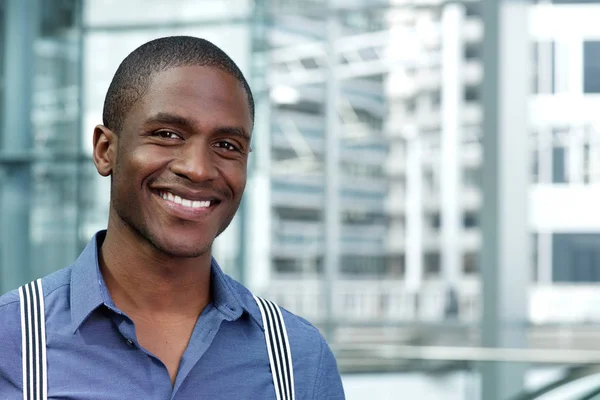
(129, 342)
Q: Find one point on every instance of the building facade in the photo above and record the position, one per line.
(365, 187)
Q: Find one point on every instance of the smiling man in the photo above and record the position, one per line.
(145, 312)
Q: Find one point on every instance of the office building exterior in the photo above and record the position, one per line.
(385, 147)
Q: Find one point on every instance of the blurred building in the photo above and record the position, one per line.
(566, 154)
(384, 218)
(297, 39)
(423, 62)
(431, 87)
(42, 170)
(434, 131)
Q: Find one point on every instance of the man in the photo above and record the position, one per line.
(145, 312)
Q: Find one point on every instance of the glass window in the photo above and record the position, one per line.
(559, 174)
(470, 263)
(591, 67)
(432, 263)
(576, 257)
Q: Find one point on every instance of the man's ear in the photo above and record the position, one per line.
(105, 149)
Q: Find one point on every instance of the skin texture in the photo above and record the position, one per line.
(189, 135)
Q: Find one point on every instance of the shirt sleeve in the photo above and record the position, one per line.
(329, 382)
(11, 372)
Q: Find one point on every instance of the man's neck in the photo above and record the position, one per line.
(142, 280)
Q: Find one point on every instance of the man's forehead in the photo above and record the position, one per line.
(203, 76)
(193, 91)
(197, 81)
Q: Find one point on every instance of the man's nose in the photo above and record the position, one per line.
(196, 162)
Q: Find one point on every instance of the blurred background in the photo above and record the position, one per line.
(423, 193)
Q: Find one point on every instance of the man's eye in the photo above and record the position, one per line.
(227, 146)
(166, 135)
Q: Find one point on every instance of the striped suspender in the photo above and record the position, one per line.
(33, 339)
(278, 347)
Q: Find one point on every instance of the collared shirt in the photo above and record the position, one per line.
(93, 352)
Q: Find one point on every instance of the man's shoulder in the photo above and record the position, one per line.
(303, 334)
(10, 340)
(10, 323)
(314, 362)
(305, 337)
(10, 333)
(8, 298)
(50, 283)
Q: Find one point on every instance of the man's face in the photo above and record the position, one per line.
(181, 160)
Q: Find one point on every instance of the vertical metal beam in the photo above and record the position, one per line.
(561, 66)
(80, 237)
(257, 228)
(332, 178)
(545, 149)
(575, 66)
(452, 102)
(257, 209)
(575, 155)
(505, 262)
(257, 81)
(594, 158)
(20, 24)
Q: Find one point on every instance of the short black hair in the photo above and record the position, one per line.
(135, 72)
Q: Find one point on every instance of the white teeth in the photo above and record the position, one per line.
(184, 202)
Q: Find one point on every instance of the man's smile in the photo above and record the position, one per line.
(168, 196)
(190, 206)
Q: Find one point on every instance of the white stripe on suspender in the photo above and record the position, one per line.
(33, 341)
(278, 348)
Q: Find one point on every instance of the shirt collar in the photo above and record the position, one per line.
(87, 284)
(88, 290)
(224, 297)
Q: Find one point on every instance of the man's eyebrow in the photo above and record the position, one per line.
(166, 118)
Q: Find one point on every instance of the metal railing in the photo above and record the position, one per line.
(389, 300)
(579, 379)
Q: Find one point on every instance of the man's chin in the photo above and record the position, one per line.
(182, 250)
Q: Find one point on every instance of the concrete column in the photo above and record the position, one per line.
(505, 262)
(332, 170)
(594, 158)
(450, 181)
(414, 213)
(545, 158)
(575, 156)
(20, 29)
(561, 66)
(257, 226)
(255, 269)
(575, 71)
(544, 250)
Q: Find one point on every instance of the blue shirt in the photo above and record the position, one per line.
(93, 352)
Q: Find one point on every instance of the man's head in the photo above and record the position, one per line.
(137, 69)
(176, 137)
